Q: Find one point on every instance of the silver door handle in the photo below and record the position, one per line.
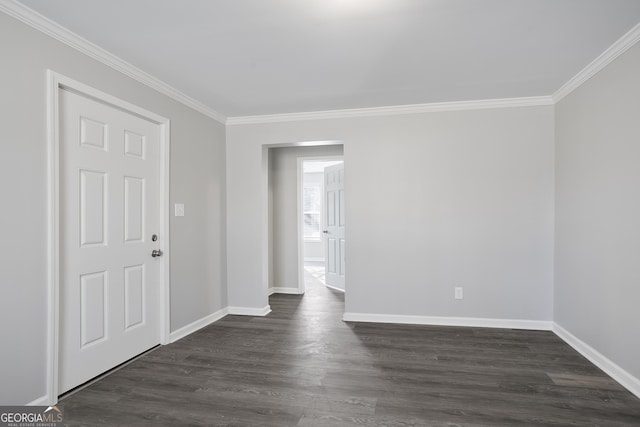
(156, 252)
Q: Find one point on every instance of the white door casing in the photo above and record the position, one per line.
(110, 206)
(334, 226)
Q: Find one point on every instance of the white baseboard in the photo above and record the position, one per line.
(249, 311)
(539, 325)
(41, 401)
(198, 324)
(627, 380)
(310, 259)
(285, 290)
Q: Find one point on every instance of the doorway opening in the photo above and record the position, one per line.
(319, 215)
(284, 269)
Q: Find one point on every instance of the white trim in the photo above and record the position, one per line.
(69, 38)
(53, 233)
(165, 241)
(394, 110)
(41, 401)
(615, 50)
(627, 380)
(300, 239)
(265, 242)
(56, 82)
(249, 311)
(285, 290)
(311, 259)
(198, 324)
(538, 325)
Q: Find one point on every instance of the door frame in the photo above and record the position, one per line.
(55, 83)
(301, 160)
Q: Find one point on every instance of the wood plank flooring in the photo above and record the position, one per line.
(302, 366)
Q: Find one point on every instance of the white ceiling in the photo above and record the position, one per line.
(254, 57)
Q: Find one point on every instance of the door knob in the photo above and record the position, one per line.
(156, 252)
(325, 231)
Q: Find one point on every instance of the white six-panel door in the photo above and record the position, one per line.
(334, 230)
(109, 210)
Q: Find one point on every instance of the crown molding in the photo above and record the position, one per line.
(65, 36)
(395, 110)
(623, 44)
(56, 31)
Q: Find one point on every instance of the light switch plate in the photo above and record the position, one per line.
(179, 209)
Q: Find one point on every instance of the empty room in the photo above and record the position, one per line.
(320, 212)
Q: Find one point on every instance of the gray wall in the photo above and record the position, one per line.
(597, 266)
(435, 200)
(283, 184)
(197, 179)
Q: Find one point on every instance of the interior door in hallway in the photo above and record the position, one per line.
(335, 224)
(109, 212)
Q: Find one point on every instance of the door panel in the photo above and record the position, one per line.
(93, 292)
(133, 209)
(134, 296)
(341, 208)
(331, 255)
(109, 208)
(134, 145)
(93, 134)
(92, 208)
(331, 208)
(335, 225)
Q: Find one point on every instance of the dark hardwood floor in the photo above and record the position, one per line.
(302, 366)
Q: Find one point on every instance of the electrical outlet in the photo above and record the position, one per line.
(179, 209)
(458, 293)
